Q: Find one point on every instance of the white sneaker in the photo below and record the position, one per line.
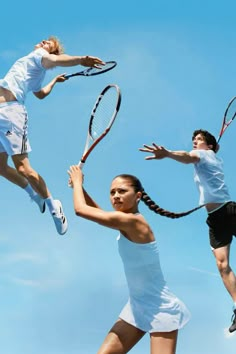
(60, 218)
(40, 202)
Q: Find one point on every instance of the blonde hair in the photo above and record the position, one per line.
(58, 46)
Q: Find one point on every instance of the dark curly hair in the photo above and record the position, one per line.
(208, 137)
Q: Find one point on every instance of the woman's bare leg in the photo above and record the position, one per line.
(121, 338)
(163, 342)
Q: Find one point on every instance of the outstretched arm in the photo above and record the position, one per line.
(65, 60)
(159, 152)
(45, 91)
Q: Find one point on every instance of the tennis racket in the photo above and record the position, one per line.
(229, 116)
(94, 71)
(103, 115)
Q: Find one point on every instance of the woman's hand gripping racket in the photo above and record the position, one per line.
(102, 118)
(229, 116)
(91, 71)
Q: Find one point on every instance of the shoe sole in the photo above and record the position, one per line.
(232, 330)
(64, 219)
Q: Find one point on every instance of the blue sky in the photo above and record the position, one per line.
(176, 71)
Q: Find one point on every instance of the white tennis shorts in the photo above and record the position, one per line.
(14, 129)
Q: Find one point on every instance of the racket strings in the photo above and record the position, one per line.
(158, 210)
(231, 111)
(103, 113)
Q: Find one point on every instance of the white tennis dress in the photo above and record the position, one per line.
(151, 306)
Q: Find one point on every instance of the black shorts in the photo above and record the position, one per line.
(222, 225)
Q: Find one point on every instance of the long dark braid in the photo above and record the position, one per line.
(158, 210)
(135, 182)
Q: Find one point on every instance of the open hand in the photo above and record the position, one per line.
(158, 152)
(91, 61)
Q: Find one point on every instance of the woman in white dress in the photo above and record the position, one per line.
(151, 307)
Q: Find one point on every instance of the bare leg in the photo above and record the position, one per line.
(222, 260)
(163, 342)
(121, 338)
(23, 175)
(10, 173)
(23, 168)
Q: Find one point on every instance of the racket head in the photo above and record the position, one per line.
(230, 111)
(229, 116)
(91, 71)
(104, 111)
(103, 115)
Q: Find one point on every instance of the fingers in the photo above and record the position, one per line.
(156, 146)
(158, 152)
(150, 157)
(75, 171)
(97, 66)
(92, 61)
(98, 61)
(146, 148)
(70, 183)
(75, 168)
(61, 78)
(76, 176)
(150, 148)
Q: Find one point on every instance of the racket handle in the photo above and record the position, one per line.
(81, 164)
(67, 76)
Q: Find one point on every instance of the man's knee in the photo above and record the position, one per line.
(25, 170)
(22, 164)
(223, 266)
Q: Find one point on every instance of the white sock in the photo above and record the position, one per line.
(30, 191)
(51, 205)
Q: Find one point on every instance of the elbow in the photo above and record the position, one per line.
(40, 95)
(78, 212)
(187, 162)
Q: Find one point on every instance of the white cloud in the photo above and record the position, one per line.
(45, 271)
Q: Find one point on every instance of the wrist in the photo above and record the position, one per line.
(82, 59)
(169, 153)
(77, 184)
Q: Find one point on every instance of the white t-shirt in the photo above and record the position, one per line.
(209, 178)
(26, 75)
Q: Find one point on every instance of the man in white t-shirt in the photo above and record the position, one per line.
(209, 178)
(27, 75)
